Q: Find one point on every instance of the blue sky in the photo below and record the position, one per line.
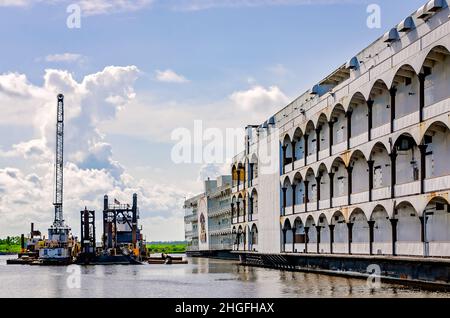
(208, 55)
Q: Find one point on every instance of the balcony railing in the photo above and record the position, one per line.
(338, 148)
(359, 197)
(324, 204)
(437, 184)
(299, 208)
(407, 188)
(381, 131)
(324, 154)
(406, 121)
(299, 163)
(381, 193)
(436, 109)
(340, 201)
(359, 140)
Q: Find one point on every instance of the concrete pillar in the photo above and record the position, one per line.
(331, 226)
(318, 189)
(394, 223)
(293, 239)
(294, 186)
(369, 117)
(370, 164)
(393, 93)
(318, 129)
(284, 189)
(371, 226)
(305, 138)
(421, 95)
(423, 153)
(306, 238)
(393, 156)
(348, 115)
(350, 237)
(349, 184)
(330, 137)
(318, 227)
(306, 195)
(331, 177)
(294, 158)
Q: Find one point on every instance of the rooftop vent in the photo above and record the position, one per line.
(435, 5)
(352, 64)
(406, 25)
(315, 90)
(422, 12)
(391, 36)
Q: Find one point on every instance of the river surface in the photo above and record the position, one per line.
(201, 278)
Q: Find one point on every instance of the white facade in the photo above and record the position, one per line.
(362, 158)
(208, 217)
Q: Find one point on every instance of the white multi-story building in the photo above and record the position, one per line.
(361, 159)
(208, 219)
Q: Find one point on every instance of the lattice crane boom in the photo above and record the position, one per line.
(59, 163)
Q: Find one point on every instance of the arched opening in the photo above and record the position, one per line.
(310, 131)
(437, 232)
(338, 122)
(381, 172)
(253, 206)
(359, 125)
(382, 231)
(234, 237)
(234, 214)
(241, 176)
(234, 176)
(360, 232)
(254, 238)
(286, 197)
(299, 143)
(299, 236)
(435, 69)
(436, 142)
(286, 151)
(311, 235)
(299, 187)
(323, 136)
(240, 209)
(311, 189)
(324, 187)
(323, 227)
(360, 178)
(406, 84)
(241, 238)
(407, 166)
(253, 170)
(339, 178)
(409, 229)
(340, 233)
(287, 237)
(380, 100)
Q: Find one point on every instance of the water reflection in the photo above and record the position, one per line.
(200, 278)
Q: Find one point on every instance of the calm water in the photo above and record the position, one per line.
(200, 278)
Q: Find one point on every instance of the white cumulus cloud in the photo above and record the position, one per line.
(169, 76)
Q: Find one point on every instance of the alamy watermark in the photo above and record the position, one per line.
(218, 146)
(74, 19)
(374, 279)
(374, 19)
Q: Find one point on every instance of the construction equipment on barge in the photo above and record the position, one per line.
(122, 241)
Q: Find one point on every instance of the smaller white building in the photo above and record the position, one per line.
(208, 217)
